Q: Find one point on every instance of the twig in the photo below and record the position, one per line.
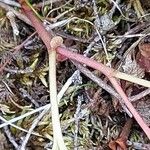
(77, 80)
(17, 127)
(138, 145)
(116, 5)
(137, 28)
(10, 15)
(66, 85)
(76, 116)
(26, 94)
(10, 137)
(24, 115)
(34, 124)
(138, 8)
(140, 95)
(97, 80)
(20, 71)
(10, 2)
(112, 11)
(18, 14)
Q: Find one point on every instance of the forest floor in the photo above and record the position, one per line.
(102, 77)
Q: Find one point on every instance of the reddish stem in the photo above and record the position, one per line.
(37, 24)
(45, 36)
(107, 71)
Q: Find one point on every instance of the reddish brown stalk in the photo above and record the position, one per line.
(107, 71)
(46, 37)
(89, 62)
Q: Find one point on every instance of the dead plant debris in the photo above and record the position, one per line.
(92, 114)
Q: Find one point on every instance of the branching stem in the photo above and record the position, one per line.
(45, 36)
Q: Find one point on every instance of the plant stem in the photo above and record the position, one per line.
(108, 72)
(131, 78)
(57, 134)
(45, 36)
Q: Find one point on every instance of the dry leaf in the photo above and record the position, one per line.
(121, 141)
(144, 56)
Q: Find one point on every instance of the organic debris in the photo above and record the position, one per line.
(92, 104)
